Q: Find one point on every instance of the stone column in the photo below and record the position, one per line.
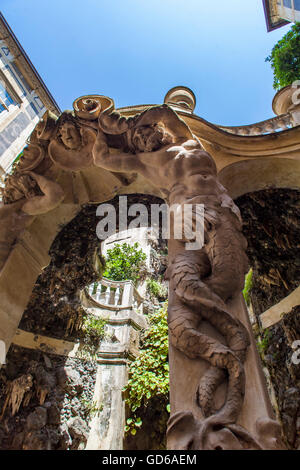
(121, 346)
(257, 414)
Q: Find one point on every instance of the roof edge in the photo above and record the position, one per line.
(11, 33)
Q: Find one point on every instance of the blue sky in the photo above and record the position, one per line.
(136, 50)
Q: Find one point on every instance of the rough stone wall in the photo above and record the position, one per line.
(60, 421)
(55, 408)
(272, 228)
(277, 355)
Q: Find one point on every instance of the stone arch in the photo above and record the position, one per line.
(31, 251)
(247, 176)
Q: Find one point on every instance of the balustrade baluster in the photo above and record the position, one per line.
(117, 295)
(98, 291)
(107, 295)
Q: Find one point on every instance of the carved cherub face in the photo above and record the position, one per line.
(70, 135)
(150, 138)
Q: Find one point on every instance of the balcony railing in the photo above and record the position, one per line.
(115, 294)
(278, 123)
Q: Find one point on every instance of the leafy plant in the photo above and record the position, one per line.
(91, 407)
(93, 331)
(125, 262)
(263, 343)
(248, 286)
(132, 425)
(149, 373)
(94, 327)
(157, 289)
(285, 58)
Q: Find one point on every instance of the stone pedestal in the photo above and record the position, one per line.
(256, 417)
(107, 427)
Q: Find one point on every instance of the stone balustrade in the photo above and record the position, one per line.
(115, 294)
(278, 123)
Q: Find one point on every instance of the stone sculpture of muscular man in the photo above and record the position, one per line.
(163, 150)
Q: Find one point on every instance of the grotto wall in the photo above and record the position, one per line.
(46, 400)
(272, 228)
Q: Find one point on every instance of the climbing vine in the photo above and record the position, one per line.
(149, 373)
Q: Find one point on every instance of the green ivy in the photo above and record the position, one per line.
(285, 58)
(91, 408)
(125, 262)
(149, 373)
(248, 286)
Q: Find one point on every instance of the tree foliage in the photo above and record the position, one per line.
(125, 262)
(285, 58)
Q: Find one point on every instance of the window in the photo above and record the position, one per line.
(16, 79)
(297, 5)
(287, 3)
(38, 102)
(34, 108)
(21, 76)
(6, 95)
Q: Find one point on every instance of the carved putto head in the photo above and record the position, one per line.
(148, 138)
(19, 186)
(68, 131)
(71, 145)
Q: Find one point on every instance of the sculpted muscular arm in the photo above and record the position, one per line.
(119, 162)
(167, 116)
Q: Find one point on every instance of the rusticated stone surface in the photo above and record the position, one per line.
(54, 411)
(272, 228)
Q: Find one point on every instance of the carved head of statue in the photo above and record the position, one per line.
(19, 186)
(71, 146)
(32, 156)
(68, 131)
(150, 138)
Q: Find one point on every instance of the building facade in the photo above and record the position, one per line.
(281, 12)
(24, 98)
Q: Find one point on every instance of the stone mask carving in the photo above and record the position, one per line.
(71, 148)
(70, 136)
